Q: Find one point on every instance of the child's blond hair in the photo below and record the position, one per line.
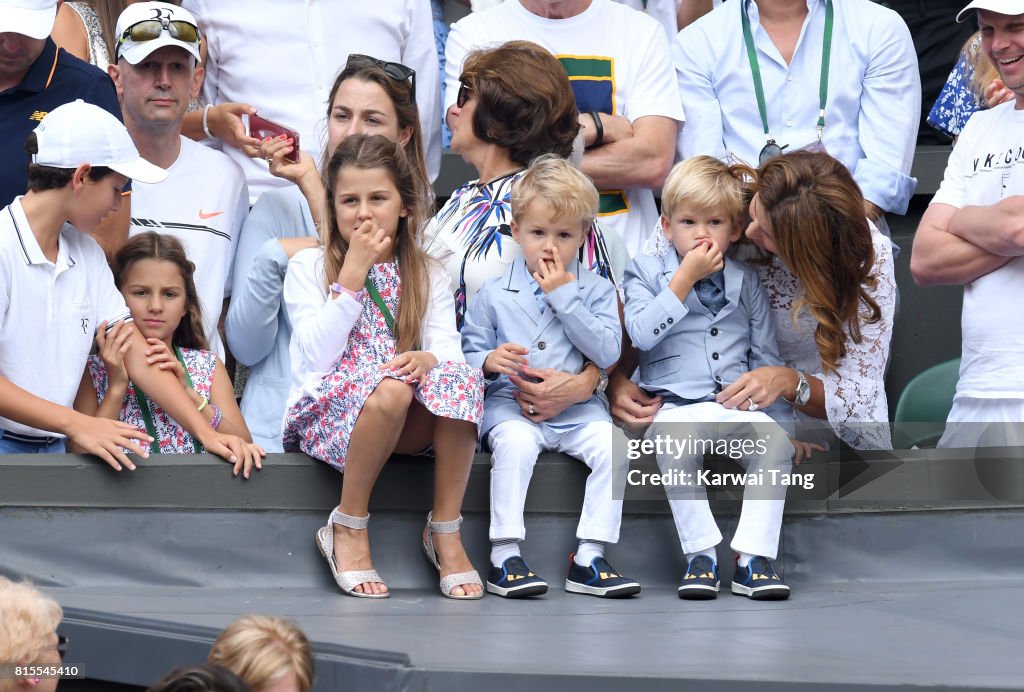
(705, 183)
(562, 186)
(261, 649)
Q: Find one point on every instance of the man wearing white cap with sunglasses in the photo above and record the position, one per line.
(35, 78)
(972, 235)
(57, 293)
(204, 199)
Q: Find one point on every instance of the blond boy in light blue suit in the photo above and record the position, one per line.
(700, 319)
(548, 311)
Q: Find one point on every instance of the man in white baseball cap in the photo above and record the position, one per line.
(57, 293)
(204, 200)
(35, 78)
(32, 18)
(970, 236)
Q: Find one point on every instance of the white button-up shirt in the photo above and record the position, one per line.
(282, 56)
(874, 92)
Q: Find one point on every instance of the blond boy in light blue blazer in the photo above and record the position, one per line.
(700, 319)
(548, 311)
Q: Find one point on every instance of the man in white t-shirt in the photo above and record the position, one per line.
(204, 199)
(971, 235)
(619, 66)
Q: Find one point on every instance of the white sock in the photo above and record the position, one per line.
(707, 552)
(588, 552)
(503, 549)
(745, 559)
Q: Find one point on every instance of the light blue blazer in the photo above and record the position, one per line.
(685, 351)
(580, 322)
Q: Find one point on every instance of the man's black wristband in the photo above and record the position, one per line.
(599, 127)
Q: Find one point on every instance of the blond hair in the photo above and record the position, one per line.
(27, 618)
(706, 183)
(261, 649)
(555, 181)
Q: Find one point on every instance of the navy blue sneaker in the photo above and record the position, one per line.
(759, 581)
(599, 579)
(515, 579)
(700, 583)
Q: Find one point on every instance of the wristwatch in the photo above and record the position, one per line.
(803, 390)
(602, 383)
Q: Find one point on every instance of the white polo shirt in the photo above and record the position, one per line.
(49, 311)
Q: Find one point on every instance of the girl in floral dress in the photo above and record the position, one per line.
(155, 277)
(377, 364)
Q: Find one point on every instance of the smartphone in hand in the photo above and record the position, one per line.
(261, 128)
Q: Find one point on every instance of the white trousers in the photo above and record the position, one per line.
(515, 445)
(761, 513)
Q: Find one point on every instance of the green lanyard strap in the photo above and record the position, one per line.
(388, 317)
(147, 415)
(826, 52)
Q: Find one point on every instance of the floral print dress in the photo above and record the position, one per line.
(172, 438)
(320, 424)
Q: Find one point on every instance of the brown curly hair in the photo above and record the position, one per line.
(816, 216)
(524, 101)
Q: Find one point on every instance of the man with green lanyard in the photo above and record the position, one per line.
(837, 74)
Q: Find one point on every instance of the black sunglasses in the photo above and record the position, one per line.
(464, 93)
(770, 151)
(62, 646)
(396, 70)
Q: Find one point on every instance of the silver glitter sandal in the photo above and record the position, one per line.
(452, 580)
(349, 580)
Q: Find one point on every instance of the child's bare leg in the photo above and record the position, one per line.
(454, 447)
(374, 436)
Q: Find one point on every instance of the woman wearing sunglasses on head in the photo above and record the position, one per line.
(514, 104)
(29, 642)
(369, 96)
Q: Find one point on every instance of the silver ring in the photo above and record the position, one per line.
(268, 159)
(753, 405)
(532, 410)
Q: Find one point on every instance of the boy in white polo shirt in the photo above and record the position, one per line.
(56, 291)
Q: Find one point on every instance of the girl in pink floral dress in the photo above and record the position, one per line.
(377, 364)
(155, 278)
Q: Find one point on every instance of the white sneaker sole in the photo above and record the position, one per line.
(776, 592)
(603, 591)
(524, 591)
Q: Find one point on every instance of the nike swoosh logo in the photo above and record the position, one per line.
(210, 215)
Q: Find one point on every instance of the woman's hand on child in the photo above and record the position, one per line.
(105, 438)
(507, 359)
(802, 450)
(411, 366)
(630, 405)
(159, 355)
(701, 262)
(551, 274)
(551, 392)
(113, 346)
(761, 386)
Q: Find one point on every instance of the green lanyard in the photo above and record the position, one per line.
(388, 317)
(147, 415)
(826, 52)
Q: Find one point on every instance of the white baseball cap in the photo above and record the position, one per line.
(134, 51)
(79, 132)
(1007, 7)
(32, 18)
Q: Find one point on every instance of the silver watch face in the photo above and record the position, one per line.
(803, 392)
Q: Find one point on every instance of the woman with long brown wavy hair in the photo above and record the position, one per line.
(831, 285)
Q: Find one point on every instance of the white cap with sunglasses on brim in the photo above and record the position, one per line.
(156, 25)
(1007, 7)
(79, 132)
(32, 18)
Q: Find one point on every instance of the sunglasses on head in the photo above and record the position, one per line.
(396, 70)
(150, 29)
(464, 93)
